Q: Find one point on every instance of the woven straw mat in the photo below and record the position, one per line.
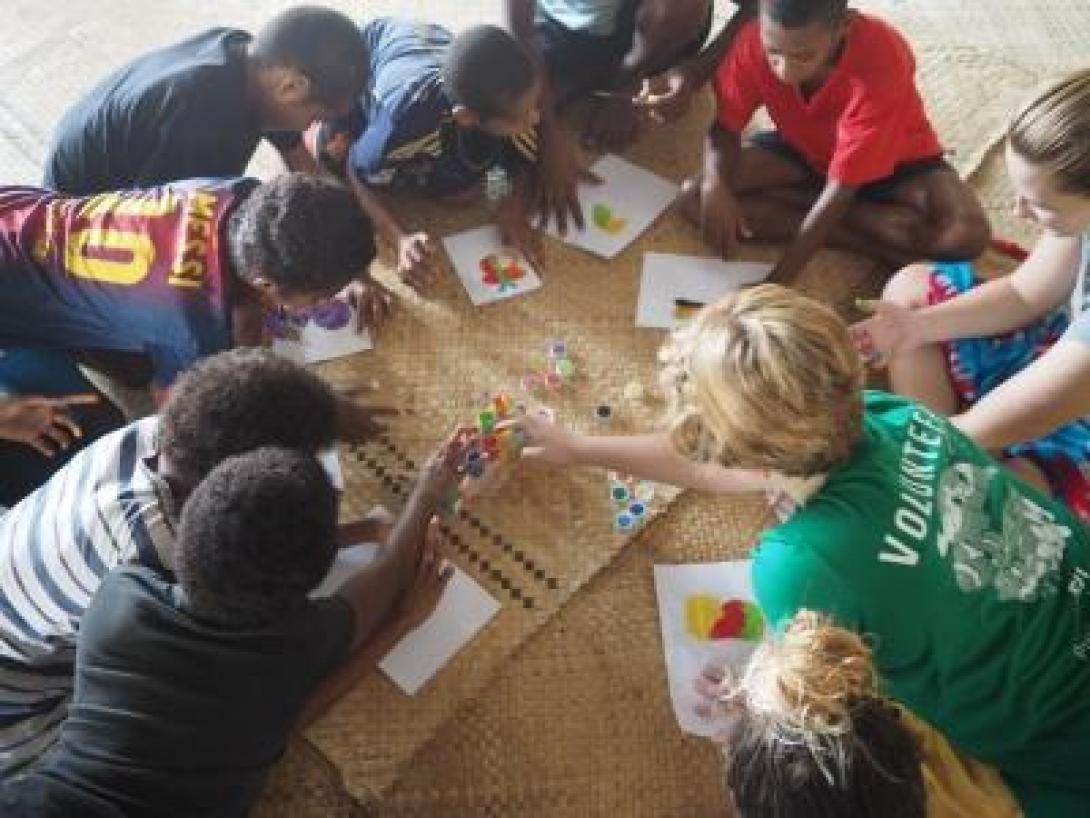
(545, 533)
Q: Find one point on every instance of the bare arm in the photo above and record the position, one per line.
(1040, 284)
(721, 220)
(649, 456)
(700, 68)
(824, 216)
(1052, 391)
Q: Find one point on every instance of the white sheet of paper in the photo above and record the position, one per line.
(618, 210)
(348, 562)
(488, 270)
(316, 343)
(331, 462)
(667, 276)
(464, 609)
(698, 597)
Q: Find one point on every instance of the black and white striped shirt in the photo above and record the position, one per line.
(105, 508)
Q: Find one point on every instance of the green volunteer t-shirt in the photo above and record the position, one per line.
(970, 582)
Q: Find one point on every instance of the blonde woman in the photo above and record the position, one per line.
(812, 737)
(1009, 359)
(970, 580)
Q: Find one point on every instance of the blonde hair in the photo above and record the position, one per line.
(1053, 132)
(814, 729)
(805, 684)
(764, 378)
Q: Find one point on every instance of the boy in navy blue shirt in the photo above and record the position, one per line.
(198, 108)
(440, 113)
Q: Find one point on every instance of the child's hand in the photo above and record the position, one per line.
(419, 600)
(613, 123)
(372, 302)
(667, 96)
(42, 423)
(721, 219)
(441, 473)
(357, 423)
(516, 230)
(719, 702)
(415, 259)
(546, 441)
(891, 330)
(556, 183)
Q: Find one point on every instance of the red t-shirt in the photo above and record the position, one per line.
(865, 120)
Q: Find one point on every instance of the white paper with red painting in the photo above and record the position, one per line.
(708, 617)
(618, 210)
(319, 333)
(488, 270)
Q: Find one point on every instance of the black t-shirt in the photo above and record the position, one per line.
(176, 113)
(173, 716)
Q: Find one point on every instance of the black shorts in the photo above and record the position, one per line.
(880, 190)
(579, 62)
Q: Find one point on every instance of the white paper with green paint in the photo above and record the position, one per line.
(620, 209)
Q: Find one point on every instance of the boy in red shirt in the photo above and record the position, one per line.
(854, 161)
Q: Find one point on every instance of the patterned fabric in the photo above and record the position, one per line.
(106, 508)
(137, 271)
(979, 365)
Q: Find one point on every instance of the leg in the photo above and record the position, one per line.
(1028, 471)
(931, 214)
(756, 170)
(922, 373)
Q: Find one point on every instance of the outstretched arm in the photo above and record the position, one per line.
(649, 456)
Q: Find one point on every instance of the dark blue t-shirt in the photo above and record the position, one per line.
(407, 136)
(142, 271)
(176, 113)
(173, 715)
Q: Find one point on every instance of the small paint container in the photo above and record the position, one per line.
(490, 443)
(633, 391)
(603, 413)
(530, 382)
(553, 381)
(619, 493)
(564, 368)
(502, 404)
(624, 522)
(556, 350)
(638, 510)
(486, 420)
(644, 491)
(476, 467)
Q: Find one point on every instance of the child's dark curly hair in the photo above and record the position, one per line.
(306, 234)
(323, 44)
(487, 70)
(800, 13)
(238, 400)
(257, 535)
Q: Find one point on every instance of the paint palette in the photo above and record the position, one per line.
(493, 450)
(558, 372)
(488, 270)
